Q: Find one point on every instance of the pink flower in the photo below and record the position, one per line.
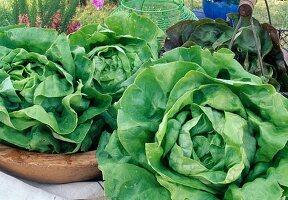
(98, 4)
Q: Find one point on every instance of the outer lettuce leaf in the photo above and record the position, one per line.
(41, 41)
(272, 186)
(218, 64)
(204, 127)
(205, 32)
(138, 26)
(258, 189)
(185, 193)
(125, 180)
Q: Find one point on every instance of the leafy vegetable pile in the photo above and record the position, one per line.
(191, 125)
(57, 101)
(218, 34)
(196, 125)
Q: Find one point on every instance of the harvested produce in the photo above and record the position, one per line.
(218, 34)
(196, 125)
(54, 100)
(42, 107)
(108, 57)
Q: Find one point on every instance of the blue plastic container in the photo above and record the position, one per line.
(219, 8)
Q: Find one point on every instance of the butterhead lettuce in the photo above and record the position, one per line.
(42, 106)
(196, 125)
(57, 93)
(109, 56)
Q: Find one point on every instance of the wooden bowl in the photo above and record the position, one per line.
(49, 168)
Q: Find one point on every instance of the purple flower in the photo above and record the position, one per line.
(98, 4)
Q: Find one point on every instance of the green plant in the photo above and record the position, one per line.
(43, 108)
(218, 34)
(57, 98)
(20, 7)
(114, 56)
(68, 13)
(6, 17)
(33, 13)
(50, 7)
(55, 14)
(196, 125)
(89, 15)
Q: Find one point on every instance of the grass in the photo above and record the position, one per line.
(5, 13)
(278, 10)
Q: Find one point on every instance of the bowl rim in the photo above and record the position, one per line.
(49, 168)
(23, 156)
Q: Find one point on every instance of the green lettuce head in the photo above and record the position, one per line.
(109, 56)
(196, 125)
(42, 106)
(56, 100)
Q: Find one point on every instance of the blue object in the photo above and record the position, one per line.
(199, 13)
(219, 8)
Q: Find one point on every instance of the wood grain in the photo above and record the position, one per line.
(49, 168)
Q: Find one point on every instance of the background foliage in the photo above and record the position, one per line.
(88, 14)
(55, 14)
